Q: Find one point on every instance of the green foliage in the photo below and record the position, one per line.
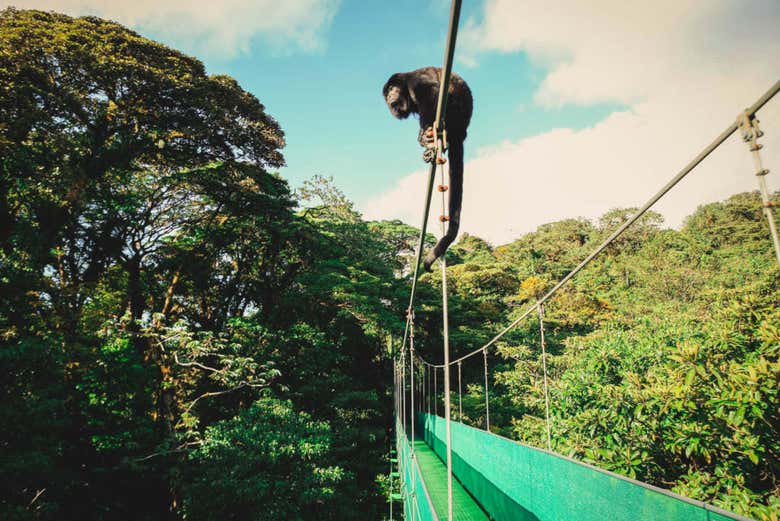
(164, 311)
(183, 338)
(34, 417)
(267, 463)
(663, 356)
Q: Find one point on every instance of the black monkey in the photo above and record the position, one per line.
(417, 92)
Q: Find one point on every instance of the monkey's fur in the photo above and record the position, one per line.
(417, 92)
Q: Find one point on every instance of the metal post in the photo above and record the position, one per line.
(487, 401)
(544, 370)
(748, 124)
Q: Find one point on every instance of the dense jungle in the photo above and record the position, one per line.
(183, 335)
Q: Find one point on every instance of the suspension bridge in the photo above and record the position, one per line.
(445, 470)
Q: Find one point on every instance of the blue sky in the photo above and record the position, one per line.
(330, 105)
(580, 106)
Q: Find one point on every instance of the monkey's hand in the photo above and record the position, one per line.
(427, 140)
(426, 137)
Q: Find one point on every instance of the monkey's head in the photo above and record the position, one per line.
(396, 94)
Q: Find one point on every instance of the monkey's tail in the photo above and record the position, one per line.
(455, 154)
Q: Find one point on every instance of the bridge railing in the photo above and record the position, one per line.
(417, 502)
(512, 481)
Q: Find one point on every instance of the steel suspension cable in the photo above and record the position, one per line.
(768, 95)
(439, 127)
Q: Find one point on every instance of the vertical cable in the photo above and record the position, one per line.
(411, 445)
(403, 391)
(487, 400)
(460, 395)
(395, 415)
(446, 346)
(430, 386)
(540, 307)
(748, 125)
(435, 393)
(412, 413)
(411, 379)
(423, 389)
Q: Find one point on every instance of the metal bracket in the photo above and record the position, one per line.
(748, 126)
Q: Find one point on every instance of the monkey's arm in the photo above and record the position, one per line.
(423, 86)
(426, 93)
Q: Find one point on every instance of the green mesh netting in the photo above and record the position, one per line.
(512, 481)
(434, 470)
(417, 502)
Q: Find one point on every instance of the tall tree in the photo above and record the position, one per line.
(134, 196)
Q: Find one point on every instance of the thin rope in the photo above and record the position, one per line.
(544, 370)
(487, 400)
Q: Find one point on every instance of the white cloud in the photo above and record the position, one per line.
(207, 27)
(684, 69)
(613, 50)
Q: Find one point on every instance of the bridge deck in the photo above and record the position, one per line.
(434, 472)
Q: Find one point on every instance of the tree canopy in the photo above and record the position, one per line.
(184, 336)
(163, 303)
